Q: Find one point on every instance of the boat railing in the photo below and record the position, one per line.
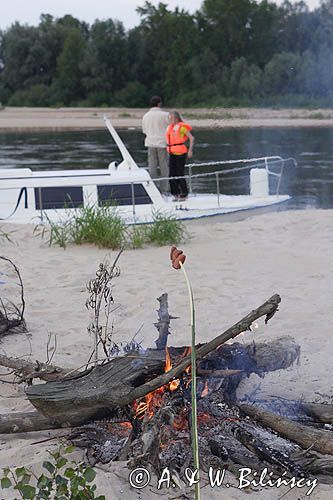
(262, 162)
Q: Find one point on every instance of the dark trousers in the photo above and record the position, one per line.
(178, 187)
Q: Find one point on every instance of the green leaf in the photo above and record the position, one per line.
(42, 481)
(61, 462)
(69, 472)
(69, 449)
(55, 454)
(5, 483)
(74, 485)
(61, 480)
(20, 471)
(89, 474)
(28, 492)
(49, 467)
(6, 471)
(81, 495)
(62, 489)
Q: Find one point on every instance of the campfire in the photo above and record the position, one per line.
(155, 432)
(141, 404)
(137, 406)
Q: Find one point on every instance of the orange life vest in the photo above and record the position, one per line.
(175, 141)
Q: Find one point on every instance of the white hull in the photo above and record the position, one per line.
(199, 206)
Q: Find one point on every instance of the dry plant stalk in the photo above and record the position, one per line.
(101, 299)
(12, 314)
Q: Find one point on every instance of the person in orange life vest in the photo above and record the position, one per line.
(178, 133)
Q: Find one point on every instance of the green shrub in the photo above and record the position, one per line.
(36, 95)
(133, 94)
(99, 99)
(138, 236)
(318, 116)
(165, 230)
(103, 226)
(125, 115)
(62, 479)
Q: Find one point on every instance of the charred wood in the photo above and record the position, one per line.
(126, 379)
(319, 412)
(306, 437)
(163, 323)
(34, 421)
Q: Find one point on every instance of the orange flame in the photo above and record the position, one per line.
(168, 364)
(155, 399)
(174, 384)
(187, 352)
(205, 390)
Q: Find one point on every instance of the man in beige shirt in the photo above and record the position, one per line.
(154, 125)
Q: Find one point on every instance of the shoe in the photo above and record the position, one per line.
(182, 198)
(175, 198)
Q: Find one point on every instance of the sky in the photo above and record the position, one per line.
(124, 10)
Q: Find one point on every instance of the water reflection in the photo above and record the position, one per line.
(310, 185)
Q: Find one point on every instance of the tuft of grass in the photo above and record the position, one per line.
(317, 116)
(138, 236)
(125, 115)
(165, 230)
(103, 227)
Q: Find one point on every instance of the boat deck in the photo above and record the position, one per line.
(202, 205)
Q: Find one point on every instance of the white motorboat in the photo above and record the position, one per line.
(34, 196)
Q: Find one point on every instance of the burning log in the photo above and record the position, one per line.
(247, 435)
(228, 379)
(124, 380)
(306, 437)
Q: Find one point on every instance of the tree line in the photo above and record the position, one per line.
(228, 53)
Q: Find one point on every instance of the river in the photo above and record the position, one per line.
(310, 183)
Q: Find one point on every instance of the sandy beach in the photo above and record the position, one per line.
(27, 119)
(234, 267)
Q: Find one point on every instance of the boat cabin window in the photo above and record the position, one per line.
(121, 194)
(58, 197)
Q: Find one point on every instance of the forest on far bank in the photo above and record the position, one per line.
(228, 53)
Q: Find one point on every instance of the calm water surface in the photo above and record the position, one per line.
(310, 184)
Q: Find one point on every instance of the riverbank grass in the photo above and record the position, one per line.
(104, 227)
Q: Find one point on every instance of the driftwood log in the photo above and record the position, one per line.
(123, 380)
(95, 393)
(306, 437)
(28, 370)
(283, 352)
(319, 412)
(34, 421)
